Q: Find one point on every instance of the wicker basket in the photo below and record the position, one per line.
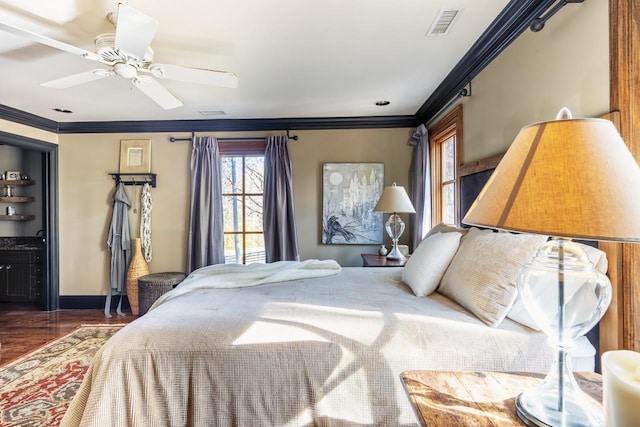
(152, 286)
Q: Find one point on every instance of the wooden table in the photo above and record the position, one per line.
(375, 260)
(482, 399)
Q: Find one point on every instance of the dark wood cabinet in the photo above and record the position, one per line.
(20, 276)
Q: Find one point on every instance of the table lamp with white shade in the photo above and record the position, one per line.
(568, 178)
(394, 200)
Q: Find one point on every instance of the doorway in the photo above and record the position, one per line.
(49, 154)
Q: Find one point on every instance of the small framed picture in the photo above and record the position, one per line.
(12, 175)
(135, 156)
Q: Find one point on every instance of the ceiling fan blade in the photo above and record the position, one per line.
(78, 79)
(134, 31)
(195, 75)
(154, 90)
(49, 42)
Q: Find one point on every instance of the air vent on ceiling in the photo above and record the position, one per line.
(212, 113)
(443, 22)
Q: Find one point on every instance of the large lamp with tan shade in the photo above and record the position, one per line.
(567, 178)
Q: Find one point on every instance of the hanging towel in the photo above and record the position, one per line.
(145, 221)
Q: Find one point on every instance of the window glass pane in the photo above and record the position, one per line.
(448, 204)
(231, 175)
(232, 213)
(255, 248)
(242, 187)
(233, 248)
(254, 175)
(448, 164)
(254, 213)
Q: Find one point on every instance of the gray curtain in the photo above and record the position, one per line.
(281, 240)
(420, 185)
(206, 238)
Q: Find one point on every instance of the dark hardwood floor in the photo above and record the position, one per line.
(23, 329)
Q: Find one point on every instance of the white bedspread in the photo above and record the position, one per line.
(322, 351)
(225, 276)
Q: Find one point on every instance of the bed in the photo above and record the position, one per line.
(302, 344)
(323, 347)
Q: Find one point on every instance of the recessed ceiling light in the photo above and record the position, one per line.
(63, 110)
(382, 103)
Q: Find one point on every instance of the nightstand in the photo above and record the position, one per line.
(375, 260)
(480, 399)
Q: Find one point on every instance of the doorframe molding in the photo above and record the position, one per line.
(51, 287)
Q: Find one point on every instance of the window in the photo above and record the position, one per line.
(242, 196)
(448, 155)
(445, 141)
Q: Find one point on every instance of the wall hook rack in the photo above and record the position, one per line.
(134, 178)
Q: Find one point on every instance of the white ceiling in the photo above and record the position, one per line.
(294, 58)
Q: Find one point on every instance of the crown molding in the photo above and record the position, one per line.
(28, 119)
(218, 125)
(238, 125)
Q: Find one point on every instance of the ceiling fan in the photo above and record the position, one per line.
(128, 54)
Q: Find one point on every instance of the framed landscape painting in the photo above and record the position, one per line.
(349, 193)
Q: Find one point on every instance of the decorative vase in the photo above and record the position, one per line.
(383, 250)
(138, 267)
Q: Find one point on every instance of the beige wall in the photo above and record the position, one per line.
(314, 148)
(564, 65)
(85, 207)
(86, 188)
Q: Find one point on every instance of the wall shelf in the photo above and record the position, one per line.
(17, 217)
(16, 182)
(17, 199)
(134, 178)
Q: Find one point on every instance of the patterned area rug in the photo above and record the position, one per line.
(36, 389)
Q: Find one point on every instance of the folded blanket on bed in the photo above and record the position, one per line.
(226, 276)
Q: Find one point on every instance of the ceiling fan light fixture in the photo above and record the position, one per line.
(62, 110)
(105, 46)
(125, 70)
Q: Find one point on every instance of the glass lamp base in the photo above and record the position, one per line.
(394, 227)
(539, 409)
(395, 254)
(566, 297)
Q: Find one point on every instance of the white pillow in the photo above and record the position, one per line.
(444, 228)
(425, 267)
(482, 275)
(519, 312)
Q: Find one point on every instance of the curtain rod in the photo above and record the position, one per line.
(462, 94)
(251, 138)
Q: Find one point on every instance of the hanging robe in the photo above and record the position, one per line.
(119, 243)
